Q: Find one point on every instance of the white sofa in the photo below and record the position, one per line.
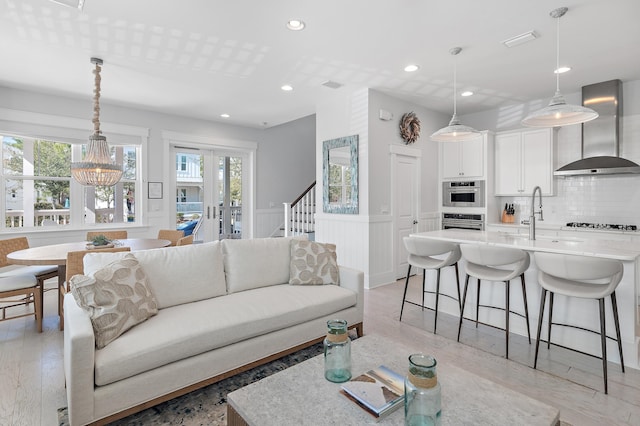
(224, 307)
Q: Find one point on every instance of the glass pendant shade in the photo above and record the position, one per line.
(455, 132)
(559, 112)
(97, 168)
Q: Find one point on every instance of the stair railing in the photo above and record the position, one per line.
(299, 216)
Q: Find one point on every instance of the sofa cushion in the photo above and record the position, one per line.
(187, 330)
(313, 263)
(257, 262)
(116, 298)
(167, 269)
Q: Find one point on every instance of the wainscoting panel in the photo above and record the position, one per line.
(268, 222)
(350, 234)
(381, 251)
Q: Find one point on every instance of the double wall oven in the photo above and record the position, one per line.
(459, 198)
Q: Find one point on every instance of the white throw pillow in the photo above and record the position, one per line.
(313, 263)
(116, 298)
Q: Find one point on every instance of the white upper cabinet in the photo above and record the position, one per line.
(463, 159)
(524, 160)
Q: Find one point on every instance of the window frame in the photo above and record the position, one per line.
(76, 132)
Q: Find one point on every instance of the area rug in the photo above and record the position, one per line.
(206, 406)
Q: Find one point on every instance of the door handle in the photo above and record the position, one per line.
(208, 212)
(415, 222)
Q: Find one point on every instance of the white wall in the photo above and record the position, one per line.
(365, 241)
(598, 199)
(285, 157)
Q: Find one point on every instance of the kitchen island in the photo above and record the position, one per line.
(578, 312)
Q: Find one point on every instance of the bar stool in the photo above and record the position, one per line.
(492, 263)
(421, 252)
(583, 277)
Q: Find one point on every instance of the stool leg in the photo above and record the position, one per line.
(406, 285)
(424, 277)
(435, 323)
(477, 302)
(542, 300)
(464, 299)
(458, 288)
(506, 313)
(551, 294)
(603, 342)
(526, 307)
(614, 304)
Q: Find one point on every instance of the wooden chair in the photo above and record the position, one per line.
(21, 285)
(172, 235)
(40, 272)
(184, 241)
(75, 266)
(112, 235)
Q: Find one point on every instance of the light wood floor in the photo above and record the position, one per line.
(32, 381)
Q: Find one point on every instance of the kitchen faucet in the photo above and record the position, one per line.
(532, 217)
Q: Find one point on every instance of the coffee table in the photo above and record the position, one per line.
(300, 394)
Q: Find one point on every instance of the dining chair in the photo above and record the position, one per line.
(586, 278)
(172, 235)
(75, 266)
(112, 235)
(40, 272)
(432, 255)
(495, 264)
(184, 241)
(25, 286)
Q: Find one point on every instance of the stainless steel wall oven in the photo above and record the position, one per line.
(463, 221)
(468, 193)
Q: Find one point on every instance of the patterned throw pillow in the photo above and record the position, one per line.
(313, 263)
(117, 297)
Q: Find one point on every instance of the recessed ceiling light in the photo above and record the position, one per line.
(225, 115)
(411, 68)
(287, 88)
(562, 70)
(467, 93)
(295, 25)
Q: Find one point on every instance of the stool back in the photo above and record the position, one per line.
(494, 256)
(583, 269)
(426, 247)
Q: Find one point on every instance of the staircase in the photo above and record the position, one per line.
(299, 216)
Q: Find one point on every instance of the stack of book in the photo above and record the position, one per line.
(378, 391)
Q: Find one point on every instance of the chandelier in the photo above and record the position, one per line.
(97, 168)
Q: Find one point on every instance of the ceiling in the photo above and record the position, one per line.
(203, 58)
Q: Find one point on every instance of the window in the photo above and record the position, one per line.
(38, 188)
(181, 163)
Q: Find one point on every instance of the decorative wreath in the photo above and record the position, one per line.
(410, 127)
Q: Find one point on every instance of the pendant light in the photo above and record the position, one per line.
(559, 112)
(455, 132)
(97, 169)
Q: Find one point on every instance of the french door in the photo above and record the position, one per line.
(209, 192)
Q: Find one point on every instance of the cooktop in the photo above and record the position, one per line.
(587, 225)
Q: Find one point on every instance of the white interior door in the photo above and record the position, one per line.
(406, 205)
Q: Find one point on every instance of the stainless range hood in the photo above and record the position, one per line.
(601, 137)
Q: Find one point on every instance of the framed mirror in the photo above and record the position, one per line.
(340, 175)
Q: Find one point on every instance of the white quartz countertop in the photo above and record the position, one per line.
(578, 245)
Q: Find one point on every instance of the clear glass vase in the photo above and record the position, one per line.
(422, 393)
(337, 352)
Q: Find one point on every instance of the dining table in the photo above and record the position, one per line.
(56, 254)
